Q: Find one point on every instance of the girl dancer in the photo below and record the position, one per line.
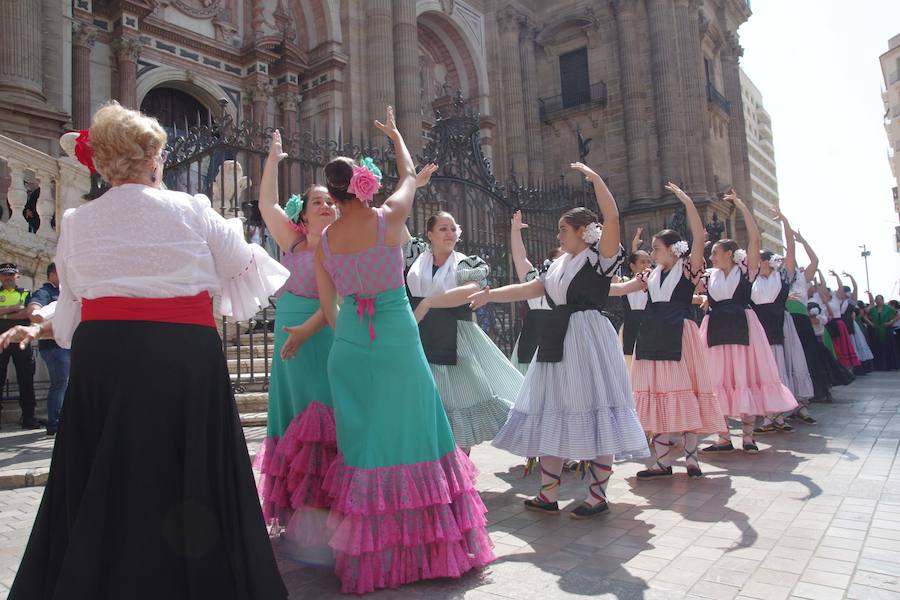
(673, 390)
(836, 303)
(526, 344)
(636, 300)
(404, 505)
(745, 375)
(476, 382)
(769, 296)
(151, 493)
(576, 399)
(851, 319)
(300, 443)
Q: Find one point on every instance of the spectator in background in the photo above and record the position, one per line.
(56, 358)
(30, 211)
(13, 311)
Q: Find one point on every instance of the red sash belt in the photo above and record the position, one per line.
(188, 310)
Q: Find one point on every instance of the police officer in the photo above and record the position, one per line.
(13, 311)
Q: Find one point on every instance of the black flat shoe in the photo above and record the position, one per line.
(30, 424)
(694, 471)
(806, 419)
(536, 505)
(720, 447)
(584, 511)
(751, 448)
(656, 473)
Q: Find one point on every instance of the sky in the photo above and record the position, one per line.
(816, 64)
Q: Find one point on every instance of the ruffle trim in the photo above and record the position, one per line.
(400, 524)
(246, 293)
(757, 400)
(293, 467)
(473, 425)
(677, 411)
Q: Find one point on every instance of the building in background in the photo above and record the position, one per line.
(763, 178)
(651, 88)
(890, 68)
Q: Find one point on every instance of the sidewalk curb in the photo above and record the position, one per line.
(13, 479)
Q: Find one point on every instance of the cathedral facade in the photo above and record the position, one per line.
(648, 90)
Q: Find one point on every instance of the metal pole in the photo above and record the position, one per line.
(865, 254)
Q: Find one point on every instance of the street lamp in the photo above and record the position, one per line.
(865, 254)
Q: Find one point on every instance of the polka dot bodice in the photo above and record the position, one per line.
(366, 273)
(302, 265)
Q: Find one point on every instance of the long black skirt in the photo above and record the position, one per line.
(150, 493)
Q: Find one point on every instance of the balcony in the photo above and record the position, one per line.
(717, 98)
(596, 96)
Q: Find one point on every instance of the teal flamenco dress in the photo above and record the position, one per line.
(301, 443)
(403, 501)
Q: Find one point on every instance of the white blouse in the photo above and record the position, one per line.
(141, 242)
(800, 287)
(566, 267)
(766, 288)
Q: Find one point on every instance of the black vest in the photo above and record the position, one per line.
(438, 331)
(535, 319)
(660, 335)
(727, 320)
(771, 316)
(588, 290)
(631, 325)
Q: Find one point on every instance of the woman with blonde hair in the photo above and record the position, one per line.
(151, 493)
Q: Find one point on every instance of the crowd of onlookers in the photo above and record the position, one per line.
(19, 306)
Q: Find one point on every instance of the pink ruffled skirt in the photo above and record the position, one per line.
(293, 470)
(400, 524)
(746, 378)
(675, 396)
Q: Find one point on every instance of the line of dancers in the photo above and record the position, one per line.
(381, 381)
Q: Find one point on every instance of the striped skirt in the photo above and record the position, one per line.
(580, 407)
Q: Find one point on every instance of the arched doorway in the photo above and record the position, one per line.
(174, 109)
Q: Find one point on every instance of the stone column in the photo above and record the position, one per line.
(259, 94)
(667, 94)
(513, 105)
(691, 59)
(634, 94)
(83, 38)
(530, 97)
(406, 74)
(289, 103)
(737, 134)
(379, 58)
(127, 51)
(21, 69)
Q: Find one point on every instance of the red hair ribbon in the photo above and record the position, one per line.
(83, 151)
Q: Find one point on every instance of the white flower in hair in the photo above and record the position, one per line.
(776, 261)
(679, 248)
(591, 233)
(739, 256)
(458, 233)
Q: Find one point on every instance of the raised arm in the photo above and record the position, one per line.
(695, 224)
(636, 241)
(327, 293)
(508, 293)
(519, 254)
(813, 265)
(790, 247)
(399, 204)
(839, 291)
(277, 221)
(753, 242)
(854, 295)
(611, 238)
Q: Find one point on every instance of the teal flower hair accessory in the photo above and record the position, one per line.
(368, 163)
(294, 206)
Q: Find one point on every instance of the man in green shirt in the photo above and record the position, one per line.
(13, 311)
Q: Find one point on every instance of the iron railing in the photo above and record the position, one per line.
(596, 96)
(717, 98)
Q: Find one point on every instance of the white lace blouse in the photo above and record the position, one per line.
(140, 242)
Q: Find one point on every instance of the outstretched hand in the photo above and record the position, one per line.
(389, 127)
(479, 299)
(679, 193)
(21, 334)
(516, 223)
(276, 152)
(424, 174)
(585, 170)
(733, 197)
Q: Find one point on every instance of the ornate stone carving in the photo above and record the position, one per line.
(127, 49)
(84, 34)
(198, 8)
(509, 20)
(288, 101)
(447, 6)
(258, 92)
(733, 48)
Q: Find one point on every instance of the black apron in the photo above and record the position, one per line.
(633, 319)
(771, 316)
(438, 332)
(588, 290)
(662, 329)
(727, 319)
(535, 320)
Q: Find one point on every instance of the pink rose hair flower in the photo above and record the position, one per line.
(364, 183)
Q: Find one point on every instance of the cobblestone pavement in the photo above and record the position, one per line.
(815, 515)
